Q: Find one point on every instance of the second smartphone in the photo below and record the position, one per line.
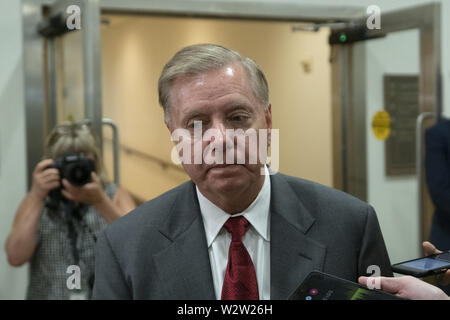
(422, 267)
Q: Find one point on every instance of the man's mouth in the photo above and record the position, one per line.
(221, 166)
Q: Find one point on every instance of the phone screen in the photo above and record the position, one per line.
(321, 286)
(426, 264)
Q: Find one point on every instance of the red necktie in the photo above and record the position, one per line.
(240, 277)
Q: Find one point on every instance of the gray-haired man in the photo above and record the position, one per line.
(231, 232)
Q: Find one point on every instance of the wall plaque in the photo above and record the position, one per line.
(401, 101)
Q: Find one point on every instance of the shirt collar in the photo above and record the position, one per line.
(257, 213)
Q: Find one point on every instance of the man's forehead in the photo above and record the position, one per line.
(228, 72)
(210, 84)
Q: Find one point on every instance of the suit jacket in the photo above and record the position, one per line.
(159, 250)
(437, 165)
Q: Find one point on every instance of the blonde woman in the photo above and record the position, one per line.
(54, 238)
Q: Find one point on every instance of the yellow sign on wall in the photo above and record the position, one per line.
(381, 125)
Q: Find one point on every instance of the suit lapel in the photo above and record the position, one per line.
(292, 253)
(184, 266)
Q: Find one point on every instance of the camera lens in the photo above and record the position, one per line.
(78, 174)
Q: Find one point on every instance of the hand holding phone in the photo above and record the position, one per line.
(422, 267)
(322, 286)
(444, 278)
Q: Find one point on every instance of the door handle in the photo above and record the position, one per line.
(116, 146)
(420, 166)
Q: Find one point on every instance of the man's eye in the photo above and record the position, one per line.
(238, 118)
(197, 124)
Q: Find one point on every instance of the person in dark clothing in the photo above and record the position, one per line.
(437, 167)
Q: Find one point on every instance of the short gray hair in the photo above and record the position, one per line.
(200, 58)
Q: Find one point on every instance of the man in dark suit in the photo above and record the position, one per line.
(236, 230)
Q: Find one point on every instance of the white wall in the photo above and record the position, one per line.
(13, 281)
(394, 198)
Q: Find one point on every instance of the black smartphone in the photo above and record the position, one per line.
(422, 267)
(323, 286)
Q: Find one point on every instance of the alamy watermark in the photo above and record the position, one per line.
(374, 17)
(234, 146)
(74, 280)
(374, 281)
(73, 21)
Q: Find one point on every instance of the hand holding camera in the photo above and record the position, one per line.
(45, 179)
(70, 177)
(90, 193)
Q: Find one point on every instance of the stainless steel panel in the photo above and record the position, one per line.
(116, 148)
(243, 10)
(349, 123)
(34, 89)
(43, 86)
(90, 21)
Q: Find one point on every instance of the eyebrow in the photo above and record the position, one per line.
(227, 108)
(192, 114)
(238, 105)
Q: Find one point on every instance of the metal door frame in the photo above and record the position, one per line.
(349, 104)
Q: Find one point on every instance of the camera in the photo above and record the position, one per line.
(76, 168)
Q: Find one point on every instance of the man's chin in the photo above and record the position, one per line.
(226, 188)
(226, 179)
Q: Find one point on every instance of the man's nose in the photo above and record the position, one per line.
(220, 135)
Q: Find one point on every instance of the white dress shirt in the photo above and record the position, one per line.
(256, 239)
